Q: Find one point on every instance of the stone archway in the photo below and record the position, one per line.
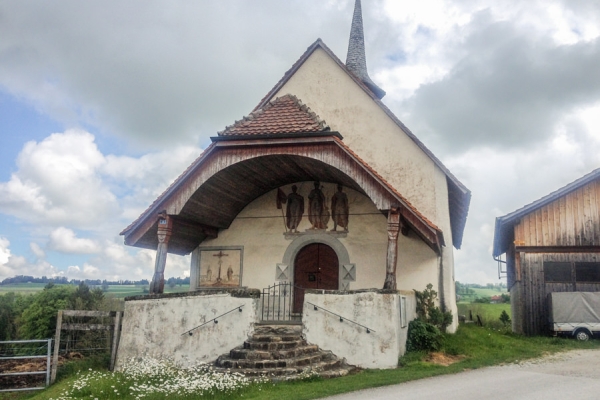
(346, 270)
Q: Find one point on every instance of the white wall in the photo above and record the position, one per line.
(374, 309)
(259, 228)
(328, 90)
(153, 327)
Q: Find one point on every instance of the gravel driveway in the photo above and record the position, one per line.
(564, 376)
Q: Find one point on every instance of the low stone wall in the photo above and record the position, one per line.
(379, 310)
(153, 325)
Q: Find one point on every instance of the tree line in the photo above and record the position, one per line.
(63, 280)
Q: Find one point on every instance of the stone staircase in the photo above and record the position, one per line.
(279, 352)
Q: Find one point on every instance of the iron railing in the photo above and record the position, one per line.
(13, 351)
(215, 320)
(342, 319)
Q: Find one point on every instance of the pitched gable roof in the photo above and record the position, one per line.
(460, 196)
(283, 115)
(505, 223)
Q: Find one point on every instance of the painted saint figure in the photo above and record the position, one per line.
(316, 207)
(340, 209)
(294, 209)
(229, 274)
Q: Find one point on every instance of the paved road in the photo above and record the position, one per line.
(565, 376)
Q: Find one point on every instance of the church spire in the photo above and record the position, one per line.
(356, 60)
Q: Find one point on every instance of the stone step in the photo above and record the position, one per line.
(275, 338)
(272, 354)
(274, 345)
(291, 372)
(292, 362)
(281, 353)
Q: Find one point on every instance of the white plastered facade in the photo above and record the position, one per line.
(336, 98)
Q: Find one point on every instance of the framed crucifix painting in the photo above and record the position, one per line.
(220, 267)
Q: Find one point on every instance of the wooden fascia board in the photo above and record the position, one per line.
(431, 234)
(139, 227)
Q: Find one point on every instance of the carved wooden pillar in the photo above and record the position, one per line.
(393, 228)
(165, 228)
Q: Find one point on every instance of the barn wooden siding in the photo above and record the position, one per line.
(571, 220)
(529, 297)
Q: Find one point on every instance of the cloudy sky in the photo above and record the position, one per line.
(104, 103)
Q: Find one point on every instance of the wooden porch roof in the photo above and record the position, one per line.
(234, 171)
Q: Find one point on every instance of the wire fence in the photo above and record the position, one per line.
(80, 334)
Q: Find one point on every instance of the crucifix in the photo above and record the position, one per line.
(220, 255)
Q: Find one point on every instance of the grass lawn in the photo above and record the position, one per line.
(116, 291)
(473, 347)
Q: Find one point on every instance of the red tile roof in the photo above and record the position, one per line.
(285, 114)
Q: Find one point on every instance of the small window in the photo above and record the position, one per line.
(557, 272)
(587, 272)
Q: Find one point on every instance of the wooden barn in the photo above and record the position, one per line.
(551, 245)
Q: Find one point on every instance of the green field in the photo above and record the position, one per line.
(116, 291)
(489, 313)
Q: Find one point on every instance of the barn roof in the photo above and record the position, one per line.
(505, 224)
(459, 196)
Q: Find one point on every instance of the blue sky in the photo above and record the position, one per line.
(103, 104)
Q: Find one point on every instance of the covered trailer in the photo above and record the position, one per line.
(575, 314)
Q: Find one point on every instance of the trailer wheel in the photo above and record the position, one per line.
(582, 335)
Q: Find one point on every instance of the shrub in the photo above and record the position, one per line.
(504, 318)
(423, 336)
(428, 312)
(483, 300)
(425, 332)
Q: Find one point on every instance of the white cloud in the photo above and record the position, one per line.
(64, 185)
(37, 250)
(64, 240)
(57, 183)
(4, 250)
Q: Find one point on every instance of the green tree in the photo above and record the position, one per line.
(11, 306)
(38, 320)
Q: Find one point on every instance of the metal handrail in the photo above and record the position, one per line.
(239, 308)
(342, 319)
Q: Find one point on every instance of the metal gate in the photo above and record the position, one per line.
(277, 302)
(25, 350)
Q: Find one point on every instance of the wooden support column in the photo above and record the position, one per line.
(393, 227)
(165, 228)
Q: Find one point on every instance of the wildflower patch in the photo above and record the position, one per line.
(151, 378)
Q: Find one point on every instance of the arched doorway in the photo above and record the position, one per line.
(316, 267)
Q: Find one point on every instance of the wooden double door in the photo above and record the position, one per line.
(316, 267)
